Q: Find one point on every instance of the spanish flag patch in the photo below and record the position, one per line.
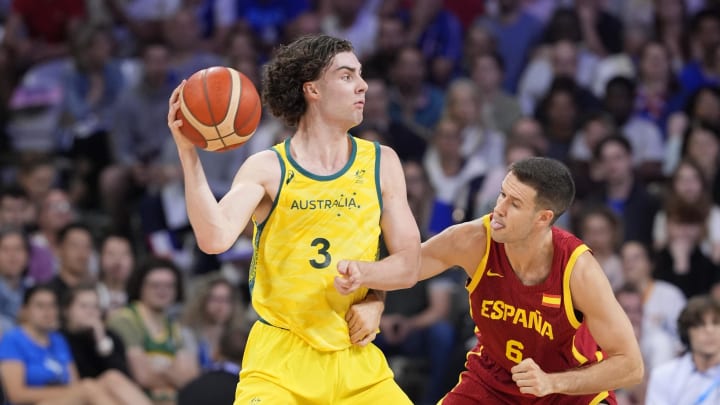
(552, 301)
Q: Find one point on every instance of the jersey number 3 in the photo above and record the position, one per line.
(322, 246)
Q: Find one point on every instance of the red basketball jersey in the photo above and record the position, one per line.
(515, 321)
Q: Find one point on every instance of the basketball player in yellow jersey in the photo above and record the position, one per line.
(319, 202)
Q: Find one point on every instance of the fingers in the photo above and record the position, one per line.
(369, 338)
(174, 105)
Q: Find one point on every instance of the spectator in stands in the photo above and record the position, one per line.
(702, 69)
(217, 386)
(622, 191)
(687, 187)
(499, 110)
(692, 378)
(530, 130)
(602, 32)
(670, 20)
(515, 32)
(559, 114)
(138, 135)
(37, 175)
(601, 230)
(91, 88)
(37, 367)
(661, 301)
(36, 31)
(438, 33)
(643, 134)
(419, 192)
(407, 143)
(94, 349)
(479, 41)
(701, 143)
(158, 352)
(455, 178)
(413, 102)
(14, 259)
(75, 249)
(354, 20)
(15, 207)
(658, 91)
(595, 127)
(463, 105)
(181, 31)
(216, 19)
(682, 261)
(631, 302)
(213, 308)
(515, 149)
(703, 106)
(268, 19)
(416, 323)
(392, 35)
(117, 261)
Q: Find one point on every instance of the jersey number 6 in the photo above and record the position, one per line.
(322, 246)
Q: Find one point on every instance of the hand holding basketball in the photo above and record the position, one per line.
(216, 109)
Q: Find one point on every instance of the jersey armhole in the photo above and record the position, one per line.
(570, 312)
(279, 190)
(480, 269)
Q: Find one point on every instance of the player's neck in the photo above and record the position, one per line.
(320, 147)
(534, 267)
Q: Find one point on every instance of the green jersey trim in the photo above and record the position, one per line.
(317, 177)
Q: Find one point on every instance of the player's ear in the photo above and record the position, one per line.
(310, 89)
(546, 217)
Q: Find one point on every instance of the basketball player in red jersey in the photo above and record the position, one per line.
(541, 303)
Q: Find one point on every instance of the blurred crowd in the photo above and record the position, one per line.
(104, 296)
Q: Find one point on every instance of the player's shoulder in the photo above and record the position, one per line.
(467, 233)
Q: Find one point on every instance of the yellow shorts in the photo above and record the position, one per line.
(279, 368)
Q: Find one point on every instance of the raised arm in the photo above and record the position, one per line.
(400, 232)
(217, 225)
(611, 329)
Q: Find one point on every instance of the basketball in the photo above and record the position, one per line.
(219, 108)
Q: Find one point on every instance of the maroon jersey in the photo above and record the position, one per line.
(515, 321)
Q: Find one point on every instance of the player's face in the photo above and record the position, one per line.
(342, 90)
(515, 215)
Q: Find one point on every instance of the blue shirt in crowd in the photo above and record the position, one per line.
(44, 365)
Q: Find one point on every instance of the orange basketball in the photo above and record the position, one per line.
(220, 109)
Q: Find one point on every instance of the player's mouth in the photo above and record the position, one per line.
(360, 104)
(495, 225)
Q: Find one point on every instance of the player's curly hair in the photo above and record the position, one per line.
(301, 61)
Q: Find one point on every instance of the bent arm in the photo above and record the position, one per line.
(217, 225)
(12, 374)
(611, 329)
(400, 232)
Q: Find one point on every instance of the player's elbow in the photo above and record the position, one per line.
(412, 273)
(213, 246)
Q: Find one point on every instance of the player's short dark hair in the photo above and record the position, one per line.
(550, 179)
(301, 61)
(694, 313)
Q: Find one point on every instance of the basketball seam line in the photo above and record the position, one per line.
(257, 101)
(209, 107)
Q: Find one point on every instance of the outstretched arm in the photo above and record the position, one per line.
(400, 233)
(217, 225)
(611, 329)
(459, 245)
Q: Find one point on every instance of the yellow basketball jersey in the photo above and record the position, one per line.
(315, 222)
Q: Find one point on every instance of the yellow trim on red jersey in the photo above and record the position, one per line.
(569, 267)
(480, 269)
